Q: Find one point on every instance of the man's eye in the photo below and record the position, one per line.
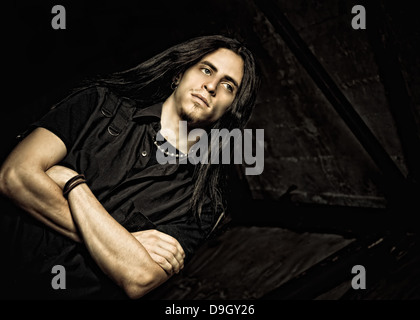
(206, 71)
(228, 87)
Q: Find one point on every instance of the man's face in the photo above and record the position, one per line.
(208, 88)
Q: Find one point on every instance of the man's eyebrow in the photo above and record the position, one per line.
(228, 78)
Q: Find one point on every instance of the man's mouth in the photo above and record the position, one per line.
(202, 98)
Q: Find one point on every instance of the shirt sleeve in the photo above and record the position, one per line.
(67, 118)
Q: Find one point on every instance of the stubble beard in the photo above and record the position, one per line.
(191, 119)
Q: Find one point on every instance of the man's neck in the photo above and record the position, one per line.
(170, 127)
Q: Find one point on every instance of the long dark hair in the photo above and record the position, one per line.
(150, 82)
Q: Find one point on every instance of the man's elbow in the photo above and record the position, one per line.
(134, 291)
(8, 180)
(139, 285)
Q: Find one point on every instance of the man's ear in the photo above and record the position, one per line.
(177, 79)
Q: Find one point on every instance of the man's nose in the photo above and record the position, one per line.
(211, 87)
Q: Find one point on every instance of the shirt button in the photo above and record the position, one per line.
(144, 153)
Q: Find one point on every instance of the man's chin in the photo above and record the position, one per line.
(196, 123)
(193, 121)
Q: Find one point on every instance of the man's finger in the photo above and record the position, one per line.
(172, 250)
(171, 241)
(163, 263)
(176, 262)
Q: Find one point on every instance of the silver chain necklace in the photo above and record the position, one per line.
(177, 155)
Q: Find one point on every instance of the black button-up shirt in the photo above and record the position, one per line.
(111, 141)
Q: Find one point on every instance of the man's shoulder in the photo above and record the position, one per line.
(93, 90)
(102, 93)
(83, 94)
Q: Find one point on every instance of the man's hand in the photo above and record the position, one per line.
(163, 249)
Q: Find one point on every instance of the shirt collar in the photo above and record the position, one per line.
(151, 111)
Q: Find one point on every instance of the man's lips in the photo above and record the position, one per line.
(199, 96)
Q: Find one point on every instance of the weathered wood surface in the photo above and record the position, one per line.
(248, 262)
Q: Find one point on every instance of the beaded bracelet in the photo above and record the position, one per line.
(72, 183)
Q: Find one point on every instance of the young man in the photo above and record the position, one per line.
(96, 200)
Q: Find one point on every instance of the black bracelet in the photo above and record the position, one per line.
(72, 183)
(66, 193)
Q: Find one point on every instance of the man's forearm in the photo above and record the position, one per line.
(115, 250)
